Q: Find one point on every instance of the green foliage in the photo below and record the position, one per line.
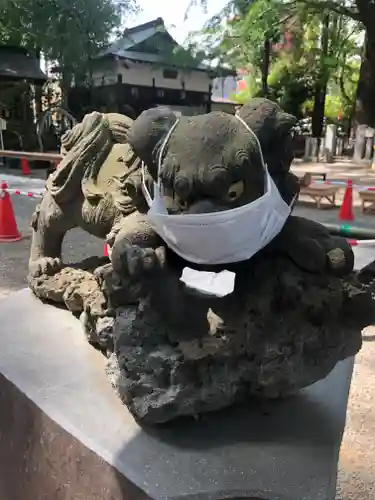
(67, 31)
(290, 85)
(336, 108)
(235, 36)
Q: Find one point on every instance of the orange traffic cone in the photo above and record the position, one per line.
(346, 210)
(105, 252)
(8, 225)
(25, 167)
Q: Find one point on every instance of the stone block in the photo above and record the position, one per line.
(64, 435)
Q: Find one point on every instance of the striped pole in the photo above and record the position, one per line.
(353, 232)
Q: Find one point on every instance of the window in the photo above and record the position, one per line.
(170, 74)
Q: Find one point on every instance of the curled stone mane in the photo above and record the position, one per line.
(84, 150)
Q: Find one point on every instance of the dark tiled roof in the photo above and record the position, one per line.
(127, 47)
(138, 34)
(17, 63)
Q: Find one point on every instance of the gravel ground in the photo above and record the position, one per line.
(356, 479)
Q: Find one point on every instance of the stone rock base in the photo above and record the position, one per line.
(287, 332)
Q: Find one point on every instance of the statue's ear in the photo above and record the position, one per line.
(285, 122)
(147, 133)
(267, 119)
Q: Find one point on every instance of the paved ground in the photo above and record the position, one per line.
(357, 459)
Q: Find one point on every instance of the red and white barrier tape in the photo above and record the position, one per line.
(29, 194)
(334, 183)
(358, 187)
(4, 189)
(362, 243)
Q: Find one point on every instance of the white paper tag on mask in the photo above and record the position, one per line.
(219, 284)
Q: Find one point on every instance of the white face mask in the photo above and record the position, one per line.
(223, 237)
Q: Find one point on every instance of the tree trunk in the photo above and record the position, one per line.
(320, 91)
(365, 100)
(65, 84)
(38, 94)
(266, 65)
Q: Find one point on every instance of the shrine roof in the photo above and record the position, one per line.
(17, 63)
(152, 43)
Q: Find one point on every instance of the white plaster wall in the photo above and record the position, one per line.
(188, 110)
(223, 87)
(143, 74)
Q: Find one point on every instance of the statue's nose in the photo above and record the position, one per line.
(203, 207)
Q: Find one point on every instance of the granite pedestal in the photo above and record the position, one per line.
(64, 435)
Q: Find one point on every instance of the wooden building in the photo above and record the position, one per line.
(145, 68)
(21, 80)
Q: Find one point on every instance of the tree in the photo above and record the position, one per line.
(339, 22)
(270, 40)
(362, 11)
(68, 32)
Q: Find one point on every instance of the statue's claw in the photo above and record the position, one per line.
(102, 272)
(134, 262)
(45, 265)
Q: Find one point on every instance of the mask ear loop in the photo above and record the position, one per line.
(266, 180)
(261, 153)
(256, 140)
(146, 192)
(161, 152)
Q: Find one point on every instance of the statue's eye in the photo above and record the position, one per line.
(182, 204)
(170, 203)
(235, 191)
(174, 204)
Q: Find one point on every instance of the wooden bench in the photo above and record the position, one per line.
(319, 192)
(367, 200)
(322, 175)
(311, 175)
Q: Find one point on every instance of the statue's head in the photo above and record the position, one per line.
(212, 162)
(97, 128)
(88, 149)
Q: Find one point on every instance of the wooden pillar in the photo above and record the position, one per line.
(209, 102)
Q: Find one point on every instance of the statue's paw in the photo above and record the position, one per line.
(45, 265)
(134, 262)
(308, 255)
(341, 257)
(111, 236)
(139, 260)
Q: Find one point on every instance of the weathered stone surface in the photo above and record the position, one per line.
(78, 289)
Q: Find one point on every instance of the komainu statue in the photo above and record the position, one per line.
(184, 203)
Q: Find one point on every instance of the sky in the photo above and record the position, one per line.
(173, 12)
